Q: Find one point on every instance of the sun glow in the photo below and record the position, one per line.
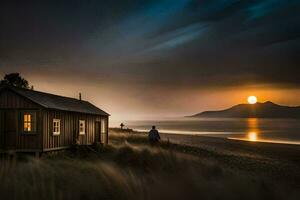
(252, 100)
(252, 136)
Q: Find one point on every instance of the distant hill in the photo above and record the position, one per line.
(258, 110)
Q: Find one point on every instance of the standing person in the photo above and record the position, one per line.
(153, 136)
(122, 126)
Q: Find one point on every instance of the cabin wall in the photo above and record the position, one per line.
(11, 135)
(69, 129)
(30, 142)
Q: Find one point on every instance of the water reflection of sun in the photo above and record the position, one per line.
(253, 129)
(252, 136)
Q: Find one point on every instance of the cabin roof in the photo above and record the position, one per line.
(52, 101)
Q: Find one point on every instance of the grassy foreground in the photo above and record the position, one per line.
(129, 168)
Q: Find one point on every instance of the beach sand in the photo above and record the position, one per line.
(279, 152)
(278, 162)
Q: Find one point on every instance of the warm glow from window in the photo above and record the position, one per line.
(81, 127)
(252, 100)
(27, 122)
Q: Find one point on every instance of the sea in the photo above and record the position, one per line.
(286, 131)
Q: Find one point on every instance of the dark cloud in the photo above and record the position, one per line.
(205, 43)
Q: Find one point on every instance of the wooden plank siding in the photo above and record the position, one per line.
(65, 138)
(28, 141)
(12, 137)
(69, 129)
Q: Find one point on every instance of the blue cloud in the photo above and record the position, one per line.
(264, 8)
(179, 37)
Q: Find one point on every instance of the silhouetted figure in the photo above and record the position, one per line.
(122, 125)
(153, 136)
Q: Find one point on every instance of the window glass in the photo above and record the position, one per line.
(81, 127)
(27, 122)
(56, 126)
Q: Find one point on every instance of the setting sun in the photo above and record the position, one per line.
(252, 99)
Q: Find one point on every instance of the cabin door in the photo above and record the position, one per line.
(10, 130)
(97, 132)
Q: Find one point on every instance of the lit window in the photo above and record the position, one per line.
(56, 126)
(28, 123)
(81, 127)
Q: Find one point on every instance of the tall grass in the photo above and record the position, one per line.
(125, 171)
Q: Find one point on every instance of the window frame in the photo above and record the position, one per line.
(32, 122)
(54, 131)
(83, 131)
(27, 122)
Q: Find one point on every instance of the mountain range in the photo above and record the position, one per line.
(259, 110)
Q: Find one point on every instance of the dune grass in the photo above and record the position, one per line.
(130, 169)
(255, 161)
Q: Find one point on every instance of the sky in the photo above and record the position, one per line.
(139, 59)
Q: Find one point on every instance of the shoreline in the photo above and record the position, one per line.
(213, 134)
(289, 152)
(279, 151)
(258, 159)
(266, 141)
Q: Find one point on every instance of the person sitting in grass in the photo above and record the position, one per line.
(153, 136)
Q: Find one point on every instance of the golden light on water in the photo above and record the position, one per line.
(252, 100)
(252, 136)
(253, 129)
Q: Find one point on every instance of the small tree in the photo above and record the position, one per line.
(14, 79)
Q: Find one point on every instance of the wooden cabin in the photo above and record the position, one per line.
(32, 121)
